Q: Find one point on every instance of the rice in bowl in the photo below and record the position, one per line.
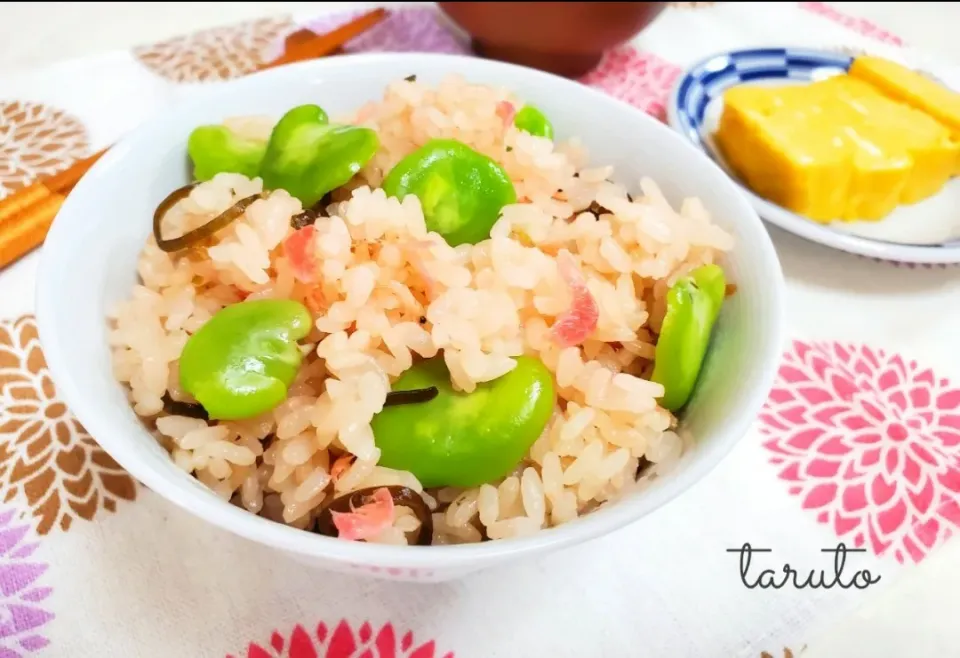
(390, 294)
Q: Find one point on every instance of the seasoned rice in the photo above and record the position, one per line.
(383, 273)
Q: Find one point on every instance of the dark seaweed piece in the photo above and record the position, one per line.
(310, 215)
(422, 320)
(200, 233)
(402, 496)
(268, 440)
(594, 208)
(411, 397)
(597, 209)
(175, 408)
(482, 529)
(643, 465)
(304, 218)
(411, 78)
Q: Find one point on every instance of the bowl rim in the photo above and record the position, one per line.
(212, 509)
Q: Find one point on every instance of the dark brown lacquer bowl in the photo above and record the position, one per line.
(566, 38)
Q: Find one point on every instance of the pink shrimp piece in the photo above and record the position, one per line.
(368, 520)
(339, 466)
(506, 111)
(299, 250)
(574, 325)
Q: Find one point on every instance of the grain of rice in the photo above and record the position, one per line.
(429, 500)
(488, 504)
(281, 472)
(391, 536)
(227, 452)
(509, 494)
(251, 494)
(388, 477)
(360, 470)
(577, 423)
(447, 495)
(531, 490)
(446, 534)
(223, 489)
(518, 527)
(300, 508)
(183, 459)
(552, 475)
(298, 450)
(462, 509)
(219, 468)
(311, 486)
(612, 464)
(407, 524)
(294, 418)
(196, 438)
(585, 463)
(564, 507)
(177, 427)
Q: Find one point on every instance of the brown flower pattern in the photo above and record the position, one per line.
(216, 54)
(47, 459)
(37, 140)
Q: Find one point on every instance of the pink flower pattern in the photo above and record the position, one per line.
(859, 25)
(870, 442)
(343, 642)
(639, 78)
(21, 616)
(417, 29)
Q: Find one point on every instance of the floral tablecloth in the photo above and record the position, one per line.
(859, 442)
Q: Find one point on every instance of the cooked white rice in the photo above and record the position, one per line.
(484, 304)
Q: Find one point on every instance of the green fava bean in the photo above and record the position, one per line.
(461, 191)
(241, 361)
(307, 156)
(217, 149)
(693, 304)
(533, 121)
(464, 439)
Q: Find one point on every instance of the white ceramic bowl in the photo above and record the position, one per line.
(89, 262)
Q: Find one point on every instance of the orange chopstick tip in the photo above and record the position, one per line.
(29, 229)
(300, 47)
(22, 199)
(26, 215)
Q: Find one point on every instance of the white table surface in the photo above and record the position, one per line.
(916, 618)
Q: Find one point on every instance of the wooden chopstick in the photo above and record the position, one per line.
(26, 215)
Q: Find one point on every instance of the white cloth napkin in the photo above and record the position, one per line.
(860, 442)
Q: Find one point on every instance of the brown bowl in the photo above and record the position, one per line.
(566, 38)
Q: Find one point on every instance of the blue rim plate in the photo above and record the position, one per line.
(694, 106)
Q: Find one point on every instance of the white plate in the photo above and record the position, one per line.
(925, 232)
